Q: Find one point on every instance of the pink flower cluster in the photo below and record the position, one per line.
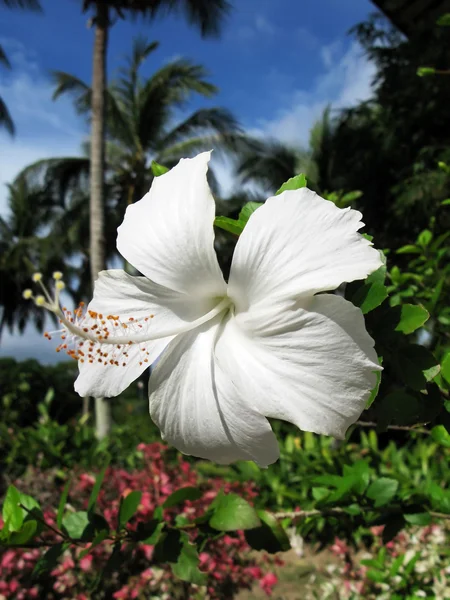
(227, 561)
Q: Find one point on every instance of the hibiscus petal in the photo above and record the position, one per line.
(168, 235)
(140, 305)
(311, 363)
(198, 409)
(296, 244)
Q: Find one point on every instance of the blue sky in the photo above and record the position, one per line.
(277, 64)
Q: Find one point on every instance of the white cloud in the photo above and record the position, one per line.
(45, 128)
(346, 81)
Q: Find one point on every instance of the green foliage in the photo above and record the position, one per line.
(236, 226)
(295, 183)
(231, 512)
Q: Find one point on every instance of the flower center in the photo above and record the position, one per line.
(90, 336)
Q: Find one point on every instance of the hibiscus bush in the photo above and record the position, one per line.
(149, 533)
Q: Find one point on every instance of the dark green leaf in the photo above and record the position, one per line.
(158, 169)
(128, 507)
(400, 408)
(382, 490)
(168, 548)
(231, 512)
(186, 567)
(444, 20)
(62, 503)
(294, 183)
(181, 495)
(420, 519)
(96, 489)
(270, 536)
(416, 366)
(49, 560)
(25, 534)
(392, 526)
(98, 539)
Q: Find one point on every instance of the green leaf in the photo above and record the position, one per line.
(382, 490)
(231, 225)
(96, 489)
(369, 296)
(49, 560)
(12, 514)
(186, 567)
(424, 238)
(409, 249)
(248, 209)
(441, 436)
(128, 507)
(158, 169)
(25, 534)
(444, 20)
(231, 512)
(412, 316)
(62, 503)
(445, 368)
(445, 202)
(75, 524)
(426, 71)
(181, 495)
(294, 183)
(270, 536)
(421, 519)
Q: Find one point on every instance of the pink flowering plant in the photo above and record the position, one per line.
(178, 538)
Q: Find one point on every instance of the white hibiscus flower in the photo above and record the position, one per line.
(267, 344)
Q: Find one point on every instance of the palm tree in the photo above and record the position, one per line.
(141, 121)
(25, 245)
(5, 116)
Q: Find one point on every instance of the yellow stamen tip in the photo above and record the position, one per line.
(57, 275)
(27, 294)
(40, 300)
(60, 285)
(37, 277)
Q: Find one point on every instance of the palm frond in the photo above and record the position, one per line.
(6, 119)
(65, 83)
(33, 5)
(208, 15)
(4, 59)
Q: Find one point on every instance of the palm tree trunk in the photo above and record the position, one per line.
(97, 176)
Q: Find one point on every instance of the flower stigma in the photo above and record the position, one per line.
(89, 336)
